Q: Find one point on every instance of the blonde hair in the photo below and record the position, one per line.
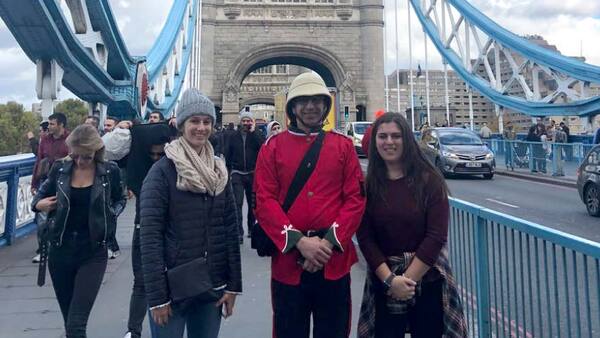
(87, 137)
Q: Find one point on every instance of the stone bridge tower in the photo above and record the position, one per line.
(342, 40)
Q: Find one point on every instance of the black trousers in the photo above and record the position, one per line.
(327, 301)
(76, 269)
(137, 303)
(425, 319)
(242, 185)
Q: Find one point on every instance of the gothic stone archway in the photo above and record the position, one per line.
(341, 37)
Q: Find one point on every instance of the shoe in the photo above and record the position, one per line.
(128, 335)
(36, 259)
(113, 254)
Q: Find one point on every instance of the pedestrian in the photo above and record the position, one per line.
(147, 147)
(156, 117)
(568, 149)
(310, 268)
(52, 147)
(485, 132)
(83, 197)
(560, 138)
(544, 149)
(409, 284)
(241, 154)
(364, 143)
(110, 123)
(273, 128)
(92, 120)
(509, 135)
(536, 151)
(189, 232)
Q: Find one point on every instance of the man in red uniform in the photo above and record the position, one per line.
(311, 270)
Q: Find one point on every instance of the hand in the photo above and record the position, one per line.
(46, 204)
(402, 288)
(129, 194)
(314, 250)
(30, 135)
(252, 127)
(228, 300)
(310, 267)
(161, 315)
(173, 122)
(33, 191)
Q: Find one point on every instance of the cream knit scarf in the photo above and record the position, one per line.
(200, 173)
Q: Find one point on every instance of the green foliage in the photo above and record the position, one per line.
(75, 110)
(15, 122)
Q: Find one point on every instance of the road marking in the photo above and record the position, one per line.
(502, 203)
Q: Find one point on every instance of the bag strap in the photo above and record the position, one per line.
(306, 168)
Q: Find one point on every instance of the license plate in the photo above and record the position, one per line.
(473, 165)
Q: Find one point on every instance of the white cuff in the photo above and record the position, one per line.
(160, 306)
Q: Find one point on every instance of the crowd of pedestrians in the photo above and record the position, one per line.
(306, 195)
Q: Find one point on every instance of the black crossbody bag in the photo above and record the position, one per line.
(259, 240)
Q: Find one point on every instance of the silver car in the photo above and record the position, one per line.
(459, 151)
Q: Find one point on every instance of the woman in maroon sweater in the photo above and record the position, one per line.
(403, 238)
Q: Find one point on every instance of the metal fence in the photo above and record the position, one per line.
(16, 217)
(556, 159)
(521, 279)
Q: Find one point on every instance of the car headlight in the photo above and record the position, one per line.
(489, 156)
(449, 155)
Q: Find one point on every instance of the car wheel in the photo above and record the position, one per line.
(592, 200)
(488, 176)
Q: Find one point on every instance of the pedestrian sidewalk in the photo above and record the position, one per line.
(569, 180)
(32, 312)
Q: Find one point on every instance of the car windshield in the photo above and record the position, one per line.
(361, 128)
(459, 138)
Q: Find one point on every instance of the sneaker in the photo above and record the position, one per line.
(36, 259)
(113, 254)
(128, 335)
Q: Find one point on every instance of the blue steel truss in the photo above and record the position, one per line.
(536, 54)
(44, 33)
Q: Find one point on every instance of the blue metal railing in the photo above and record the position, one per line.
(521, 279)
(557, 159)
(15, 197)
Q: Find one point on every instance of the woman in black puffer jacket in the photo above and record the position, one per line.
(189, 232)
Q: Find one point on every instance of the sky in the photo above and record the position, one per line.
(568, 24)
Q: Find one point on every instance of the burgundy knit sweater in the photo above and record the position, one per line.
(389, 229)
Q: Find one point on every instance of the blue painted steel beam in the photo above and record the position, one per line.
(543, 56)
(170, 101)
(580, 108)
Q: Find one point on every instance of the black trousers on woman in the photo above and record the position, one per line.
(76, 269)
(138, 305)
(425, 319)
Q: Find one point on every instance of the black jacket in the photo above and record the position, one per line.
(242, 156)
(107, 201)
(175, 226)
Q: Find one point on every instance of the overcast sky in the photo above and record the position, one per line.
(568, 24)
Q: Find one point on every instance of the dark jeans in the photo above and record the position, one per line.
(425, 319)
(242, 185)
(201, 320)
(137, 303)
(328, 301)
(77, 270)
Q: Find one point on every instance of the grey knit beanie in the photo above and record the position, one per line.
(246, 114)
(193, 103)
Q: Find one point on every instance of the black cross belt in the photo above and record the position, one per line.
(41, 279)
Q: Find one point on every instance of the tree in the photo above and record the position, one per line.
(15, 122)
(75, 110)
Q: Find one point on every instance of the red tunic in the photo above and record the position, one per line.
(333, 198)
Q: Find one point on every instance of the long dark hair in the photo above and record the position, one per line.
(417, 168)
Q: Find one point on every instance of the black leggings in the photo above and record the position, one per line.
(425, 319)
(137, 304)
(77, 270)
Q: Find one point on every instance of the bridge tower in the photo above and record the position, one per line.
(342, 40)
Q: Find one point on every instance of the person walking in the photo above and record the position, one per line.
(273, 128)
(241, 154)
(147, 147)
(509, 135)
(535, 148)
(559, 140)
(84, 197)
(409, 283)
(189, 231)
(310, 268)
(52, 147)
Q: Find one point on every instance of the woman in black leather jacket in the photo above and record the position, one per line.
(83, 196)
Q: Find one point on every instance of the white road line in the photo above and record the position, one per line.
(502, 203)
